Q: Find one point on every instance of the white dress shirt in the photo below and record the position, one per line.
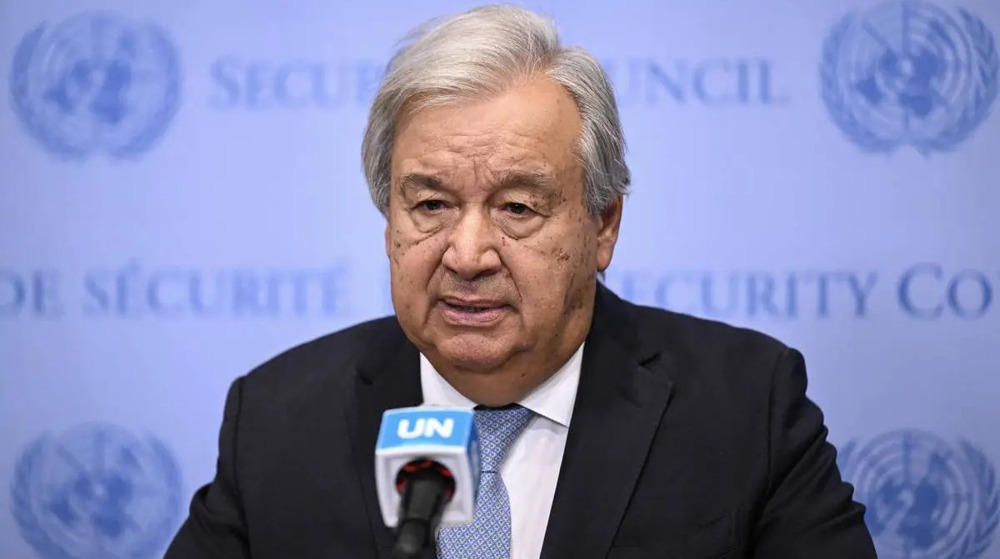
(531, 467)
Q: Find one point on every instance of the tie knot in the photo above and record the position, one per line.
(498, 428)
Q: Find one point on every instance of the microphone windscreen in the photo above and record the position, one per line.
(443, 435)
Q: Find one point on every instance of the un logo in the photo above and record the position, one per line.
(97, 492)
(926, 499)
(909, 73)
(95, 83)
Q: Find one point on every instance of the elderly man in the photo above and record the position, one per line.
(497, 159)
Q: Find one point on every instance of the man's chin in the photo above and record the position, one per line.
(474, 352)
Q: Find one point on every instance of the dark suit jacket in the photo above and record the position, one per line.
(690, 439)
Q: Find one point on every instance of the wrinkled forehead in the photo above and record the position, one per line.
(545, 184)
(457, 173)
(527, 136)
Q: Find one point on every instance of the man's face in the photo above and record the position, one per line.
(493, 253)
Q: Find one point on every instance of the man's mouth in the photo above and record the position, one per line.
(472, 308)
(479, 312)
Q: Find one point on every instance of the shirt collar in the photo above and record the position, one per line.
(553, 399)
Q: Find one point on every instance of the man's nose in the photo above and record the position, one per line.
(472, 246)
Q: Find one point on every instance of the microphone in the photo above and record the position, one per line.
(426, 473)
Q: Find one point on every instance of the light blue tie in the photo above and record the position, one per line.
(488, 537)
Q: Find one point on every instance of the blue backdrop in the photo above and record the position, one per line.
(182, 198)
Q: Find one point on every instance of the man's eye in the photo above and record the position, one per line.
(517, 209)
(431, 205)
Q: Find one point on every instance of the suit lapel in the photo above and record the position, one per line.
(621, 397)
(388, 376)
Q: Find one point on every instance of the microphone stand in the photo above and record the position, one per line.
(425, 494)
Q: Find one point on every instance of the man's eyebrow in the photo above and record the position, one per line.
(530, 179)
(417, 180)
(506, 179)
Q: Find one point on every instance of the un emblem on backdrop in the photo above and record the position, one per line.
(909, 73)
(97, 492)
(95, 83)
(926, 499)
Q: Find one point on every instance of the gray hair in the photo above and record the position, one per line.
(480, 53)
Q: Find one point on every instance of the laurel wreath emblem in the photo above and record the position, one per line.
(974, 112)
(979, 534)
(38, 534)
(41, 125)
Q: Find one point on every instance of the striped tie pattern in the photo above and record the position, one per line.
(488, 537)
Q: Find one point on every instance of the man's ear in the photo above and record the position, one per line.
(608, 223)
(388, 241)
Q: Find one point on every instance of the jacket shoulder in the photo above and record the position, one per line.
(709, 347)
(318, 359)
